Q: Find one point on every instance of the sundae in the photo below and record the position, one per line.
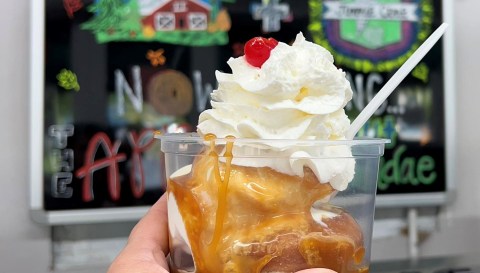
(257, 193)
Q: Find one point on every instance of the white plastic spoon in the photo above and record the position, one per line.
(395, 80)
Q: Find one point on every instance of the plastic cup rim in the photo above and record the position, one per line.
(195, 138)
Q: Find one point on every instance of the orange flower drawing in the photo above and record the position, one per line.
(156, 57)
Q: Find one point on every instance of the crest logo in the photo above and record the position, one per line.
(370, 35)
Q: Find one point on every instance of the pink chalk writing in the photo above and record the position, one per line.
(72, 6)
(139, 143)
(91, 165)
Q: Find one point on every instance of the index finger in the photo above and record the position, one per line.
(152, 229)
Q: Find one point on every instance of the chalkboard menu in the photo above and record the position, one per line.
(106, 75)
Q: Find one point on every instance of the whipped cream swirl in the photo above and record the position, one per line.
(297, 94)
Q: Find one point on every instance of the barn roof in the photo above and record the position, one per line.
(147, 7)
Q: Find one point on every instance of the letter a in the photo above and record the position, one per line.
(91, 165)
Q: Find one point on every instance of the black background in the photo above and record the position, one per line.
(68, 46)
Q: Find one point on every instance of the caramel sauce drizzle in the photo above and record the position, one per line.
(222, 186)
(209, 248)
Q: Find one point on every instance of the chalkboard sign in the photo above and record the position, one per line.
(417, 167)
(107, 74)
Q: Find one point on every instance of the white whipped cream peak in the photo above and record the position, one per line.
(299, 94)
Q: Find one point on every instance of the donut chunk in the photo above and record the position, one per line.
(263, 223)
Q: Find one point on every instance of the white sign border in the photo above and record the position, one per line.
(36, 136)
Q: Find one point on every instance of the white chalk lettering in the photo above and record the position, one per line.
(336, 10)
(123, 88)
(62, 160)
(60, 133)
(364, 92)
(202, 93)
(59, 185)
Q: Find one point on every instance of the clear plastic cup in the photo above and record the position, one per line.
(232, 208)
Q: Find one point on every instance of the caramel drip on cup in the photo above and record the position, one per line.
(222, 186)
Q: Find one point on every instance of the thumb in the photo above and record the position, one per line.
(317, 270)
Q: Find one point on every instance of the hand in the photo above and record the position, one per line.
(147, 245)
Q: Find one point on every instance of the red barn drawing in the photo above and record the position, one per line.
(177, 15)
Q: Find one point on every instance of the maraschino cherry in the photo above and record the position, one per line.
(257, 50)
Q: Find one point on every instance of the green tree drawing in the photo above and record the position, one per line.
(108, 16)
(130, 22)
